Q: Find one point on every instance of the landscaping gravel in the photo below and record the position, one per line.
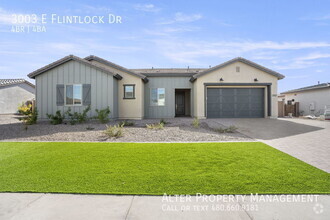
(177, 130)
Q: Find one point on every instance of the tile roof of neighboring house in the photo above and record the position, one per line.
(238, 59)
(318, 86)
(66, 59)
(7, 82)
(116, 66)
(168, 71)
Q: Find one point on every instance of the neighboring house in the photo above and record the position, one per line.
(312, 99)
(237, 88)
(13, 92)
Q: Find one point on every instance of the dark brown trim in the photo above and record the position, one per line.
(269, 100)
(124, 86)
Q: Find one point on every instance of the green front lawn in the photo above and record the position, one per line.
(172, 168)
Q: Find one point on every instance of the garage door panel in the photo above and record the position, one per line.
(243, 99)
(227, 114)
(228, 106)
(227, 92)
(235, 103)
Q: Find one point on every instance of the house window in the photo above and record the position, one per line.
(237, 69)
(289, 102)
(129, 91)
(157, 96)
(73, 94)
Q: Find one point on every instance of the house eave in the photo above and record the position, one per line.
(243, 60)
(68, 58)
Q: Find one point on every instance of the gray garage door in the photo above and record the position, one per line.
(235, 103)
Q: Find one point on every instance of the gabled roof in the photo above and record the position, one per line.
(116, 66)
(238, 59)
(318, 86)
(69, 58)
(168, 71)
(8, 82)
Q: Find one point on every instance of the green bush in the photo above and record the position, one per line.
(155, 126)
(126, 123)
(77, 117)
(195, 122)
(163, 121)
(30, 115)
(230, 129)
(103, 115)
(56, 119)
(114, 131)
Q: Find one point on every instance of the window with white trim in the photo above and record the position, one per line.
(157, 96)
(73, 94)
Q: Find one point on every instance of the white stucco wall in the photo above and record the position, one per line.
(128, 108)
(320, 98)
(14, 95)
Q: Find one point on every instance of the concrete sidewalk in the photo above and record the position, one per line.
(69, 206)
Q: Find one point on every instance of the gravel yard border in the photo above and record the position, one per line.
(176, 130)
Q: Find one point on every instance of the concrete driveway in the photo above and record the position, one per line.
(307, 140)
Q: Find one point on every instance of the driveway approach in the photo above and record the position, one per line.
(307, 140)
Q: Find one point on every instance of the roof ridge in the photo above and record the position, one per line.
(7, 82)
(66, 59)
(239, 59)
(317, 86)
(114, 65)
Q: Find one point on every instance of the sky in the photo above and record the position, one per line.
(290, 37)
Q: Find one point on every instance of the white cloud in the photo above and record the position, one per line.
(184, 51)
(146, 7)
(314, 56)
(5, 17)
(167, 31)
(317, 18)
(296, 64)
(298, 77)
(180, 17)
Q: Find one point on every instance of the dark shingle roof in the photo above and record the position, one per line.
(116, 66)
(7, 82)
(318, 86)
(169, 71)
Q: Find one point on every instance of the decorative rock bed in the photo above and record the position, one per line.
(177, 130)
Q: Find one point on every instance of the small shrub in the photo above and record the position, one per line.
(89, 128)
(163, 121)
(126, 123)
(195, 122)
(155, 126)
(30, 116)
(103, 115)
(77, 117)
(114, 131)
(230, 129)
(57, 118)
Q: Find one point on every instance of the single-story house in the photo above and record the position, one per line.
(313, 100)
(14, 92)
(238, 88)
